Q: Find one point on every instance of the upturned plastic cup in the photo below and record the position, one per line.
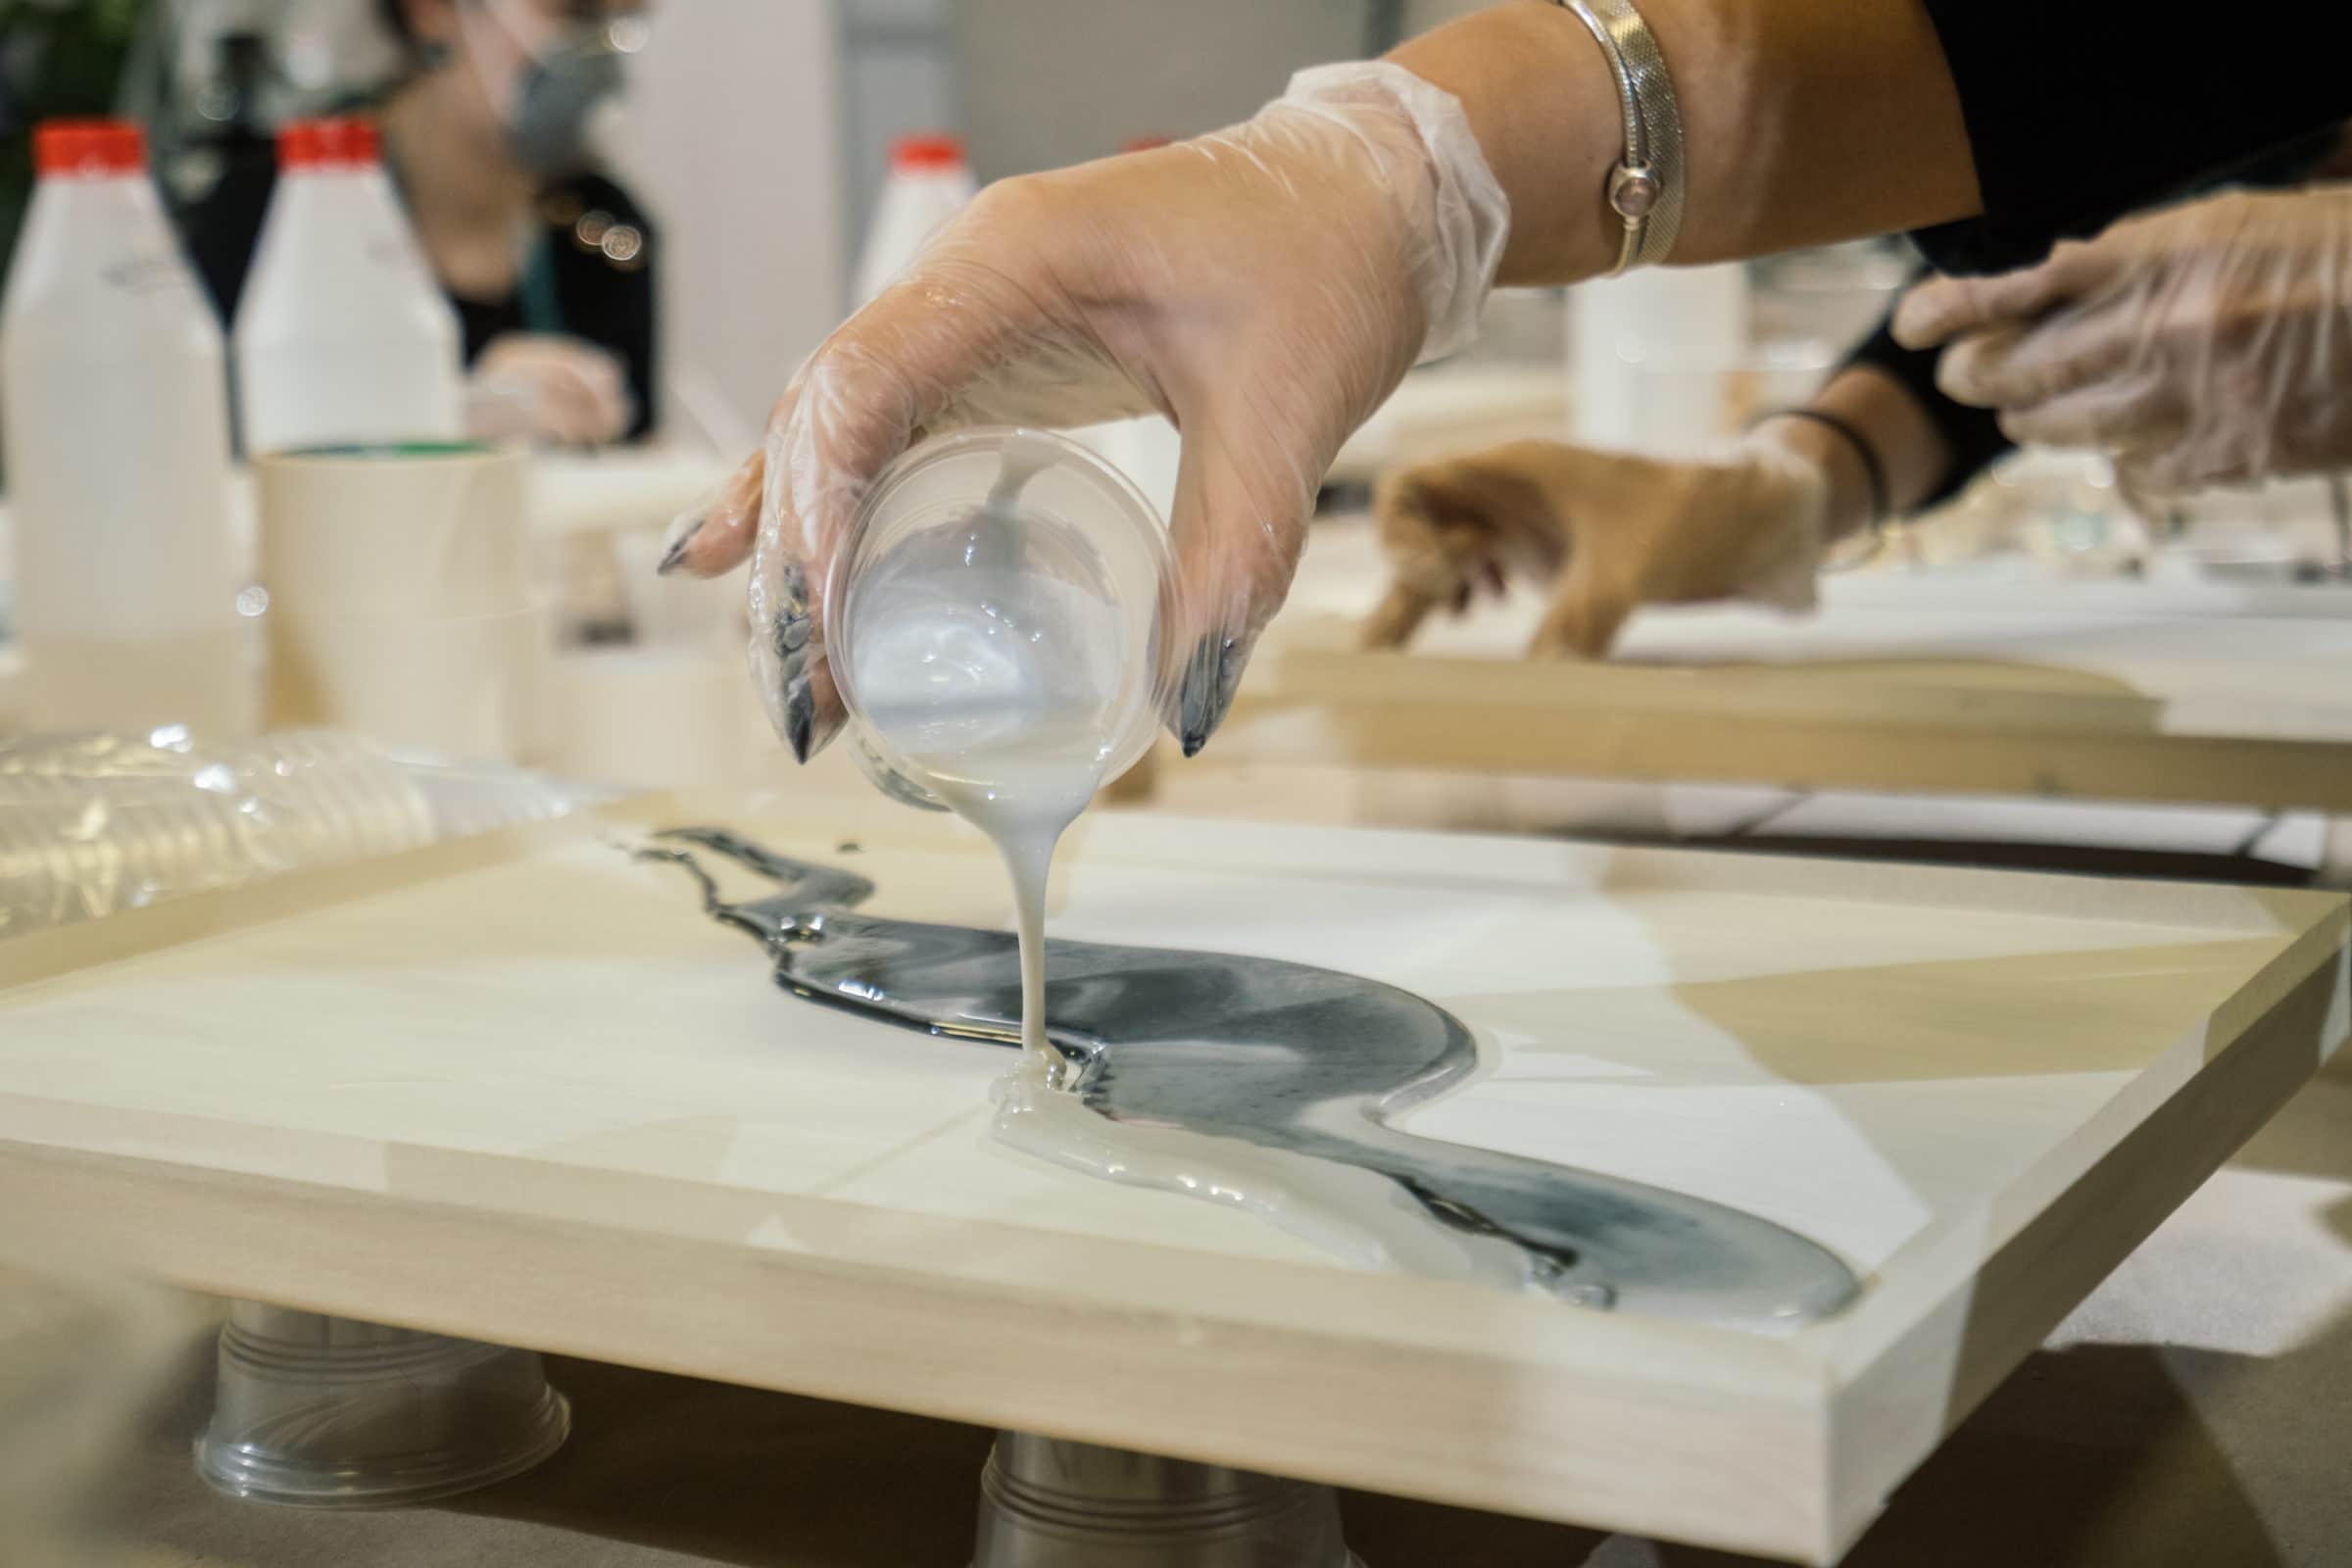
(1050, 1504)
(995, 575)
(327, 1412)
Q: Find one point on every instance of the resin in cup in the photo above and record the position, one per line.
(988, 679)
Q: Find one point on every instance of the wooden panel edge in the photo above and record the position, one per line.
(1889, 1414)
(1572, 1448)
(1802, 751)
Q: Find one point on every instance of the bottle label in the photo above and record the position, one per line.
(390, 249)
(146, 275)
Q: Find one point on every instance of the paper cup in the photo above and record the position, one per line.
(395, 531)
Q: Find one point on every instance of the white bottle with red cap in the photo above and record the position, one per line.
(929, 184)
(342, 335)
(115, 410)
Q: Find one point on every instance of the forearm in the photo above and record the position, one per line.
(1801, 124)
(1913, 454)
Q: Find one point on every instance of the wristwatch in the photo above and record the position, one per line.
(1646, 185)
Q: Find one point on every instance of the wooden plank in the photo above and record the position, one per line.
(1399, 710)
(1936, 682)
(523, 1090)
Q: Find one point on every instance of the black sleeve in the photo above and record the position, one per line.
(2080, 111)
(1974, 436)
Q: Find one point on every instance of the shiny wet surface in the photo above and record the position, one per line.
(1285, 1056)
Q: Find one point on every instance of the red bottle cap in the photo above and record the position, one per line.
(927, 153)
(86, 147)
(349, 143)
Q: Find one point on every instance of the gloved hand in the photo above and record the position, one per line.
(1608, 531)
(1266, 287)
(2209, 343)
(537, 386)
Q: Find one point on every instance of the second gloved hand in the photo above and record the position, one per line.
(1265, 287)
(1607, 532)
(2209, 343)
(536, 386)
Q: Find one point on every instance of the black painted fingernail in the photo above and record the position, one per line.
(800, 721)
(791, 592)
(792, 631)
(791, 634)
(1210, 679)
(677, 547)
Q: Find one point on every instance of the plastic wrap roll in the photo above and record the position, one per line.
(399, 531)
(471, 687)
(93, 824)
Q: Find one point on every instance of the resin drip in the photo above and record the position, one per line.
(1023, 798)
(1296, 1070)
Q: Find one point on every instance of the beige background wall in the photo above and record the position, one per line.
(734, 134)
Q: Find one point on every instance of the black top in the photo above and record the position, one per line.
(590, 275)
(2079, 112)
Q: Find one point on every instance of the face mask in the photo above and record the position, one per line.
(561, 86)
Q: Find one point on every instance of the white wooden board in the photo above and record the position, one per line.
(520, 1088)
(1941, 681)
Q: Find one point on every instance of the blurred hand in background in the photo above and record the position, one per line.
(549, 389)
(2205, 344)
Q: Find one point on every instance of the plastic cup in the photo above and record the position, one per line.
(327, 1412)
(1050, 1504)
(1007, 579)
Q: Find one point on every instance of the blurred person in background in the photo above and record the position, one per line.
(2102, 346)
(548, 261)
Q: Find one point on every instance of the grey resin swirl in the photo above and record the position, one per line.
(1286, 1056)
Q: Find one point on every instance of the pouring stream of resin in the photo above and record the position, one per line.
(1269, 1086)
(987, 678)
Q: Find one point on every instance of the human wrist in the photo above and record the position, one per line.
(1847, 492)
(1453, 216)
(1540, 98)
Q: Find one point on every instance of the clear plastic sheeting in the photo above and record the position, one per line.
(92, 824)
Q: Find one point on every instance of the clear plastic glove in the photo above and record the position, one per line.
(537, 386)
(2210, 343)
(1609, 531)
(1265, 287)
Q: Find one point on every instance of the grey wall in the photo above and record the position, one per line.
(1048, 83)
(1419, 15)
(734, 140)
(1038, 83)
(898, 74)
